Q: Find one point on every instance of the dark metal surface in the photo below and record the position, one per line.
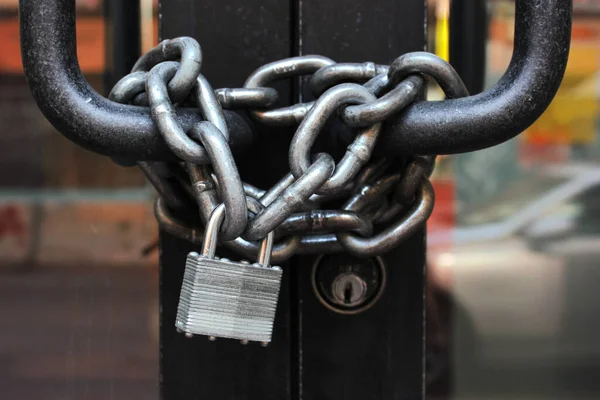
(237, 37)
(542, 39)
(309, 357)
(73, 107)
(123, 41)
(468, 41)
(377, 354)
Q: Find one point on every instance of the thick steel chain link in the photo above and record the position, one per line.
(384, 201)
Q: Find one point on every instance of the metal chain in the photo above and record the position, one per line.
(384, 201)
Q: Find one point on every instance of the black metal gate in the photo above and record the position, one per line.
(315, 353)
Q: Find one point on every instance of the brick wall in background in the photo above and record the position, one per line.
(84, 234)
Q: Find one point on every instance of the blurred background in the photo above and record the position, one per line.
(513, 245)
(78, 297)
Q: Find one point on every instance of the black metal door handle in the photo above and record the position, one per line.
(541, 49)
(542, 38)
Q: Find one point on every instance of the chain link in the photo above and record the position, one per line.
(188, 52)
(357, 154)
(282, 203)
(334, 74)
(383, 201)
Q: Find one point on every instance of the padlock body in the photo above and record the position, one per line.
(228, 299)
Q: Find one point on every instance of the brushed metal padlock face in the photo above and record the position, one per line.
(228, 299)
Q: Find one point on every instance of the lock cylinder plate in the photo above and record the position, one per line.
(221, 298)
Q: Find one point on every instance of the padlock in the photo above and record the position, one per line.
(226, 299)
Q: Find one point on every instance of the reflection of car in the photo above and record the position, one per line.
(526, 270)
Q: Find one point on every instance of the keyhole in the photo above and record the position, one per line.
(348, 285)
(349, 289)
(348, 293)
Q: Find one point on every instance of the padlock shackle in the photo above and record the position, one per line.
(124, 132)
(211, 232)
(213, 225)
(541, 49)
(266, 246)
